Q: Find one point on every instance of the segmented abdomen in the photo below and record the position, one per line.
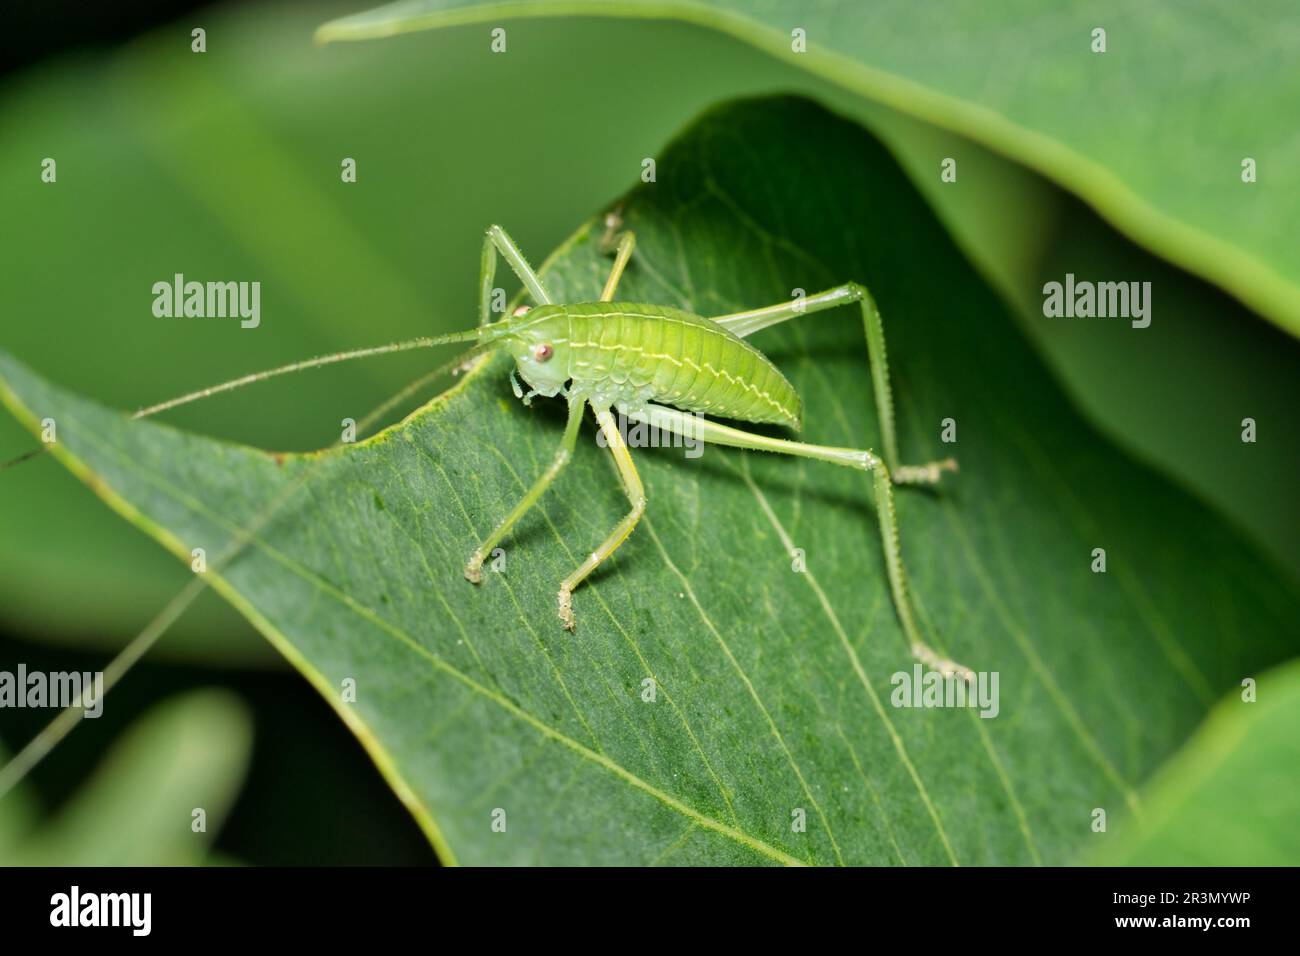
(680, 359)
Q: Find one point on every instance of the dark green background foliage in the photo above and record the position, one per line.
(226, 166)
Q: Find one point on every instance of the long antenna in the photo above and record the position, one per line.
(410, 344)
(333, 358)
(25, 456)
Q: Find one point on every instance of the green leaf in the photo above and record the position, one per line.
(1146, 132)
(1231, 796)
(774, 686)
(137, 809)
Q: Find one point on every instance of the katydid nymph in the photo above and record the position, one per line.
(666, 368)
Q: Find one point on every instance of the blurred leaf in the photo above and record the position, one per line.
(1231, 795)
(1203, 365)
(18, 811)
(1205, 362)
(136, 810)
(1177, 392)
(1165, 165)
(773, 685)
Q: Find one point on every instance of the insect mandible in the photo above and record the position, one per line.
(666, 368)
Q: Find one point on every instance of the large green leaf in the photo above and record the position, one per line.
(774, 685)
(1148, 132)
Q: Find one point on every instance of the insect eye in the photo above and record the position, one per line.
(543, 352)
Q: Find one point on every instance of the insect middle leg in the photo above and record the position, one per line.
(635, 494)
(701, 429)
(750, 321)
(474, 569)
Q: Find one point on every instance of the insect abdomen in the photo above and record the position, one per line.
(680, 359)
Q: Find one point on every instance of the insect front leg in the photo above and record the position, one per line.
(750, 321)
(635, 494)
(701, 429)
(474, 569)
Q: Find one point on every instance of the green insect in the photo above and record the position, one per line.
(666, 368)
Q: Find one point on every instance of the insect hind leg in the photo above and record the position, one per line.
(701, 429)
(752, 320)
